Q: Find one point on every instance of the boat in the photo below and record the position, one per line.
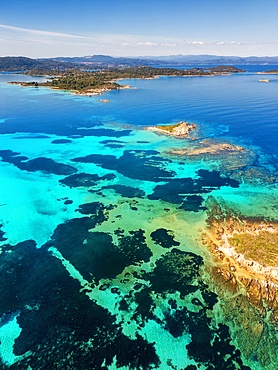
(264, 80)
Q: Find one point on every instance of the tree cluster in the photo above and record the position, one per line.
(82, 81)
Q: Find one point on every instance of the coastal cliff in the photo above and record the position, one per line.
(244, 272)
(247, 252)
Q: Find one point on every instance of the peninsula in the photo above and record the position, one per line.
(99, 81)
(247, 256)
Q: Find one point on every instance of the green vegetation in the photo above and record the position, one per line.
(18, 64)
(82, 81)
(262, 247)
(270, 72)
(169, 128)
(88, 82)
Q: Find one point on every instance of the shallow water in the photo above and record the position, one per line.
(102, 264)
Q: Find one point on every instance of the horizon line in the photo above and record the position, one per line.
(143, 56)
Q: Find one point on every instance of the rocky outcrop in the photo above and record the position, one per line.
(250, 305)
(246, 254)
(179, 130)
(207, 147)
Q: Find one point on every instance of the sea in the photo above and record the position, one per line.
(102, 264)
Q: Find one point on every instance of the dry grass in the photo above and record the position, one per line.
(169, 128)
(262, 247)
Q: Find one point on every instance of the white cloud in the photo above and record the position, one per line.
(40, 43)
(148, 43)
(197, 43)
(169, 45)
(38, 32)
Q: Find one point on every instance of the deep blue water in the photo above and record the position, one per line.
(102, 265)
(238, 104)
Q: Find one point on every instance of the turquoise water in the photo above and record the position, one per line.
(102, 265)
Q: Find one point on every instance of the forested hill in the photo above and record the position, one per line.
(11, 64)
(98, 81)
(171, 60)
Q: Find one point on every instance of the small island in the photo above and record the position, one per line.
(179, 130)
(104, 100)
(270, 72)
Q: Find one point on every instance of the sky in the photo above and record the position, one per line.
(42, 29)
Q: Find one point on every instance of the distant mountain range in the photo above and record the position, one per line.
(172, 60)
(105, 61)
(214, 59)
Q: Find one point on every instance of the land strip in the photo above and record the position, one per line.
(99, 81)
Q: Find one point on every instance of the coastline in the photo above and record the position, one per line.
(236, 270)
(233, 271)
(99, 82)
(247, 287)
(88, 92)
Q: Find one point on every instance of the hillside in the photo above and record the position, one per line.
(11, 64)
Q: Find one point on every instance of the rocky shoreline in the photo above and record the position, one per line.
(207, 147)
(272, 72)
(100, 91)
(247, 287)
(88, 92)
(234, 267)
(180, 130)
